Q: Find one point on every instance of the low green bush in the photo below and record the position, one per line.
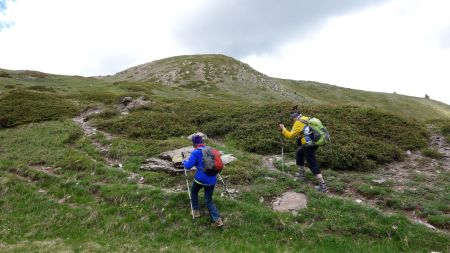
(42, 88)
(104, 97)
(149, 124)
(21, 107)
(4, 74)
(361, 138)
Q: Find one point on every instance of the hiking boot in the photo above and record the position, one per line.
(322, 187)
(218, 223)
(196, 213)
(300, 175)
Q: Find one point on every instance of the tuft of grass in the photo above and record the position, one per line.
(440, 221)
(432, 153)
(371, 191)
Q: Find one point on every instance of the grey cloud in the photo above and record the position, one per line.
(243, 27)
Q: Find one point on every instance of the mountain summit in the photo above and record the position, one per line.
(215, 69)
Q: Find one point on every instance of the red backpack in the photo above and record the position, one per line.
(212, 161)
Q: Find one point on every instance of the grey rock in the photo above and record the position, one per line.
(175, 156)
(226, 159)
(379, 181)
(289, 202)
(156, 164)
(128, 104)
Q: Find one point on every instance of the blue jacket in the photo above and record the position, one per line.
(196, 159)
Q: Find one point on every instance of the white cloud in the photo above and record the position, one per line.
(394, 47)
(398, 46)
(87, 37)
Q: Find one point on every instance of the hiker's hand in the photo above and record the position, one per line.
(281, 126)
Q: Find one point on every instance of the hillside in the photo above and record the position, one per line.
(212, 75)
(73, 150)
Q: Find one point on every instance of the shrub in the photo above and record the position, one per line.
(149, 124)
(21, 107)
(104, 97)
(361, 138)
(33, 74)
(42, 88)
(4, 74)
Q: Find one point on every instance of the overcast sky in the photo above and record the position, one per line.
(398, 46)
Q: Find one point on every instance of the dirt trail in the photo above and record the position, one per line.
(90, 131)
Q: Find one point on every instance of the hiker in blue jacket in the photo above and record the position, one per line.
(202, 180)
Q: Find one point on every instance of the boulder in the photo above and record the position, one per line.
(226, 159)
(129, 104)
(156, 164)
(175, 156)
(290, 202)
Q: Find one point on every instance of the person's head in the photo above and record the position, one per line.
(295, 115)
(197, 140)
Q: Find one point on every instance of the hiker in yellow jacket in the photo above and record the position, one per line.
(306, 147)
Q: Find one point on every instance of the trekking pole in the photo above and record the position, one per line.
(282, 143)
(223, 182)
(187, 184)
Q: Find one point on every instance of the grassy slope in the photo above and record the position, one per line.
(106, 213)
(405, 106)
(94, 208)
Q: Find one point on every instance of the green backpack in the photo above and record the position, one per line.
(321, 135)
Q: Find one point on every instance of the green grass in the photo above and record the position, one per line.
(57, 192)
(86, 206)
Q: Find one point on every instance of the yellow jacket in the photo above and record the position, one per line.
(297, 130)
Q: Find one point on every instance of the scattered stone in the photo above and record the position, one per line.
(261, 200)
(379, 181)
(269, 178)
(358, 201)
(290, 201)
(42, 191)
(408, 153)
(232, 191)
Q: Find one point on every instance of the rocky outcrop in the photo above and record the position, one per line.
(171, 161)
(128, 104)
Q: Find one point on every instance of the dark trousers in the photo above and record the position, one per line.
(310, 153)
(209, 190)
